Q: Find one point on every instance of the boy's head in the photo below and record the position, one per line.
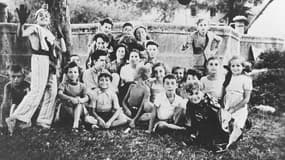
(202, 26)
(140, 33)
(142, 73)
(99, 58)
(134, 57)
(213, 65)
(169, 83)
(104, 80)
(179, 72)
(152, 49)
(106, 25)
(101, 41)
(192, 75)
(16, 74)
(74, 58)
(194, 92)
(72, 71)
(128, 28)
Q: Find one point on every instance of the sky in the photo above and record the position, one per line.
(271, 22)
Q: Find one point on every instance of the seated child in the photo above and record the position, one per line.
(179, 72)
(72, 94)
(168, 107)
(75, 58)
(105, 104)
(14, 92)
(136, 102)
(202, 116)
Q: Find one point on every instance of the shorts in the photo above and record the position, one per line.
(105, 115)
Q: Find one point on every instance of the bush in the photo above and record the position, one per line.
(270, 86)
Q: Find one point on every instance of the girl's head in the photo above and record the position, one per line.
(194, 92)
(72, 71)
(142, 73)
(179, 72)
(42, 17)
(158, 71)
(237, 65)
(121, 52)
(202, 26)
(192, 75)
(140, 33)
(213, 65)
(101, 41)
(134, 57)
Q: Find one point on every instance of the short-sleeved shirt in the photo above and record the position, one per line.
(213, 87)
(104, 101)
(127, 73)
(73, 90)
(90, 78)
(18, 92)
(165, 109)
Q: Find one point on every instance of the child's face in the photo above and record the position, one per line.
(128, 29)
(236, 67)
(141, 34)
(179, 73)
(101, 62)
(72, 74)
(134, 58)
(170, 85)
(203, 27)
(104, 82)
(75, 59)
(16, 78)
(213, 66)
(159, 72)
(190, 78)
(195, 96)
(100, 44)
(106, 28)
(152, 51)
(43, 18)
(121, 53)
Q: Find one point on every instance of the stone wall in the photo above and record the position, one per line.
(169, 36)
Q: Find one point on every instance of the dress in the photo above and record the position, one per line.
(234, 94)
(213, 87)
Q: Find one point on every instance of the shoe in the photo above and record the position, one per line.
(75, 130)
(11, 125)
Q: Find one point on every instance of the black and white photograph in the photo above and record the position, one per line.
(142, 79)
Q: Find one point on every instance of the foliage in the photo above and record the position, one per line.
(269, 86)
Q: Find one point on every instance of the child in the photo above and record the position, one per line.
(126, 30)
(141, 35)
(238, 87)
(128, 71)
(43, 80)
(105, 104)
(136, 102)
(168, 107)
(14, 92)
(74, 58)
(72, 94)
(120, 60)
(202, 116)
(213, 82)
(152, 51)
(179, 72)
(156, 86)
(203, 44)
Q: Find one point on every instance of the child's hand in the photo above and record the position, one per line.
(128, 112)
(74, 100)
(108, 125)
(132, 124)
(101, 123)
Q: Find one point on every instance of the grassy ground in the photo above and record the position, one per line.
(266, 141)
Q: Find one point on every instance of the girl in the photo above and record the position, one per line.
(156, 85)
(212, 83)
(120, 59)
(43, 78)
(238, 87)
(141, 35)
(128, 71)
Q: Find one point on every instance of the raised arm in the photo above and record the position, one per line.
(23, 14)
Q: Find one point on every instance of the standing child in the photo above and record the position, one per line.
(168, 107)
(105, 104)
(14, 92)
(43, 79)
(136, 102)
(238, 87)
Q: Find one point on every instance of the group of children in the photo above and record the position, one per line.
(125, 83)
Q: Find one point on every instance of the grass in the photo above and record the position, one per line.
(266, 141)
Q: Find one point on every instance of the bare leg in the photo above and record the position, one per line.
(148, 109)
(236, 133)
(77, 114)
(121, 119)
(163, 124)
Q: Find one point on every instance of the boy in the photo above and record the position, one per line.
(152, 51)
(106, 26)
(105, 104)
(202, 116)
(168, 107)
(72, 94)
(126, 30)
(14, 92)
(179, 72)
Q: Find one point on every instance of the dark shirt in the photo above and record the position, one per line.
(18, 92)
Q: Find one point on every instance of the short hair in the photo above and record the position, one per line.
(97, 54)
(176, 68)
(151, 42)
(134, 50)
(16, 68)
(195, 85)
(213, 58)
(169, 76)
(101, 35)
(74, 55)
(105, 74)
(127, 24)
(137, 30)
(193, 72)
(201, 20)
(143, 72)
(158, 65)
(70, 65)
(106, 20)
